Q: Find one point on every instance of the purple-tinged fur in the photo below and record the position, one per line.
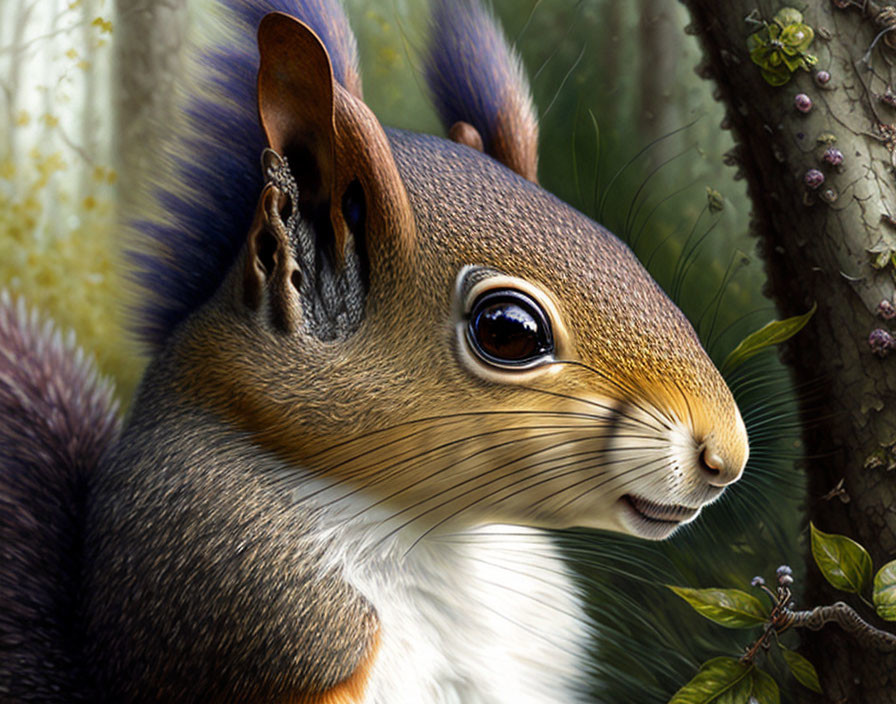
(57, 418)
(210, 196)
(472, 86)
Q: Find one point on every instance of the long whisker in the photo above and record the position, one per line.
(657, 461)
(371, 451)
(577, 468)
(446, 416)
(630, 397)
(389, 471)
(453, 464)
(492, 470)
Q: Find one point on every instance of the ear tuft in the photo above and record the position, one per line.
(475, 77)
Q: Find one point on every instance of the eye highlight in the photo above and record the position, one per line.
(507, 328)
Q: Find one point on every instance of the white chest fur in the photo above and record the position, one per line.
(485, 616)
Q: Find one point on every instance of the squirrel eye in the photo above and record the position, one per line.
(507, 328)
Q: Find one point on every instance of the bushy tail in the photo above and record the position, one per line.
(57, 417)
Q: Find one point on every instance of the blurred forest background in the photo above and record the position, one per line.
(630, 135)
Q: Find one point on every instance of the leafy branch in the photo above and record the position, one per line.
(846, 565)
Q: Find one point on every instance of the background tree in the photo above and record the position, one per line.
(832, 244)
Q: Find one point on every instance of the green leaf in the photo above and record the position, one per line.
(719, 681)
(842, 561)
(802, 669)
(773, 333)
(760, 55)
(777, 76)
(765, 689)
(731, 608)
(788, 15)
(885, 591)
(797, 37)
(756, 41)
(792, 62)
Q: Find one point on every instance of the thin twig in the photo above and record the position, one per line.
(844, 615)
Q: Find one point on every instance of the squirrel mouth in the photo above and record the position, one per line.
(654, 512)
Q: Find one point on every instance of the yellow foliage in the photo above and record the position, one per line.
(104, 25)
(68, 268)
(60, 245)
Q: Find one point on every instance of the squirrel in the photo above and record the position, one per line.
(385, 365)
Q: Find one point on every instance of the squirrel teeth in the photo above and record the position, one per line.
(653, 511)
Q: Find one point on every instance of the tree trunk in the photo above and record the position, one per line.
(149, 41)
(817, 247)
(660, 46)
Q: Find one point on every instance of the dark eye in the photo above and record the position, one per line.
(507, 328)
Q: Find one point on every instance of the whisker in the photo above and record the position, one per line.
(331, 469)
(463, 414)
(454, 487)
(577, 468)
(656, 461)
(453, 464)
(631, 394)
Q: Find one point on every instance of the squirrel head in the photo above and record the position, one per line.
(417, 319)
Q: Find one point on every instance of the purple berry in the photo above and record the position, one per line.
(881, 342)
(886, 310)
(813, 178)
(822, 77)
(802, 102)
(783, 569)
(757, 582)
(832, 156)
(829, 195)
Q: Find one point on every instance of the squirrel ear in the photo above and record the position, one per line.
(332, 141)
(479, 86)
(270, 270)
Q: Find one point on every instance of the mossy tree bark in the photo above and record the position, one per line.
(816, 245)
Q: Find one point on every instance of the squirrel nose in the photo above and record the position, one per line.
(716, 470)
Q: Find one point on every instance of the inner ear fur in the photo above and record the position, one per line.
(330, 137)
